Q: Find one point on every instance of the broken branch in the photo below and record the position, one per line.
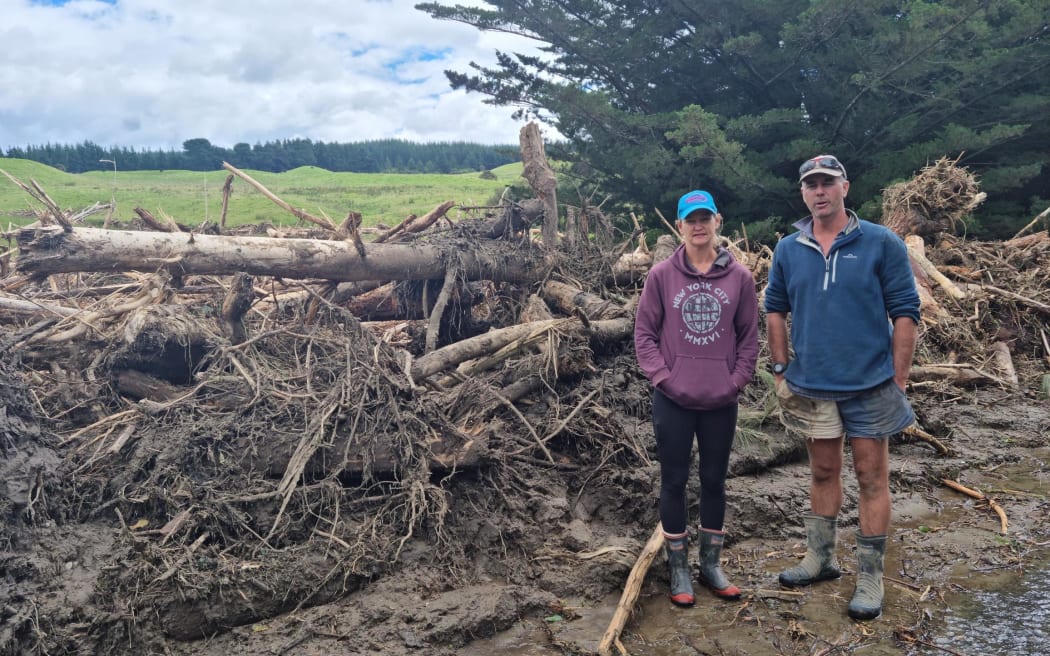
(980, 497)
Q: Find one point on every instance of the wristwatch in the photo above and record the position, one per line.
(778, 368)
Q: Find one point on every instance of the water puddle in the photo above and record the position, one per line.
(1012, 619)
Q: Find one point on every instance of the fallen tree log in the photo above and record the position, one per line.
(52, 250)
(570, 299)
(504, 342)
(958, 374)
(630, 593)
(16, 307)
(917, 251)
(1005, 363)
(165, 341)
(631, 267)
(446, 452)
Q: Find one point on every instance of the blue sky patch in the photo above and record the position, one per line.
(412, 57)
(60, 3)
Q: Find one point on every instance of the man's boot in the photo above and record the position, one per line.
(866, 603)
(678, 569)
(710, 569)
(820, 563)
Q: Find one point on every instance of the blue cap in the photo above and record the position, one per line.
(693, 201)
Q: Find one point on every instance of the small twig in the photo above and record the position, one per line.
(564, 422)
(101, 422)
(915, 431)
(762, 592)
(183, 558)
(543, 447)
(904, 584)
(334, 538)
(1043, 307)
(938, 647)
(958, 487)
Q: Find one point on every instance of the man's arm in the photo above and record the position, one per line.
(777, 336)
(904, 335)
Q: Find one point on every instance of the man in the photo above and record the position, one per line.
(854, 310)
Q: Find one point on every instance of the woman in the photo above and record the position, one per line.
(696, 339)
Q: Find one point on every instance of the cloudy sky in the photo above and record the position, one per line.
(154, 73)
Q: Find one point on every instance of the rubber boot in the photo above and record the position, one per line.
(866, 603)
(678, 569)
(710, 570)
(819, 563)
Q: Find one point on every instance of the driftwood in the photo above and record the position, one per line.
(930, 310)
(541, 177)
(917, 252)
(16, 308)
(498, 345)
(53, 250)
(1042, 215)
(238, 299)
(415, 224)
(53, 210)
(1005, 363)
(570, 299)
(165, 341)
(915, 431)
(1003, 522)
(139, 385)
(324, 222)
(633, 586)
(957, 374)
(1005, 293)
(446, 452)
(164, 224)
(632, 266)
(934, 201)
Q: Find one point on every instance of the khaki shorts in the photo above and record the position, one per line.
(879, 412)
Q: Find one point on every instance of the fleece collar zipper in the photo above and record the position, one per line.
(831, 260)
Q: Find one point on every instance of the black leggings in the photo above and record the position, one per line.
(675, 427)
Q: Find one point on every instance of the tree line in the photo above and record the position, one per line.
(378, 156)
(655, 98)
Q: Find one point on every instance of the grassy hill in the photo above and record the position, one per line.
(190, 197)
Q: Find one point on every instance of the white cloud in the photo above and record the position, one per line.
(154, 73)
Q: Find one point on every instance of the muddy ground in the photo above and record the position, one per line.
(529, 559)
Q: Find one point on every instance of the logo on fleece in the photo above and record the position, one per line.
(701, 306)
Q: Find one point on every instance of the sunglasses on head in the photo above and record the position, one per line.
(823, 162)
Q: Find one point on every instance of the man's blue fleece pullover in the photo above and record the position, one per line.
(839, 304)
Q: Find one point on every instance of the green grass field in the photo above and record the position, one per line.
(191, 197)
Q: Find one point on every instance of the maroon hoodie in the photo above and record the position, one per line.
(696, 334)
